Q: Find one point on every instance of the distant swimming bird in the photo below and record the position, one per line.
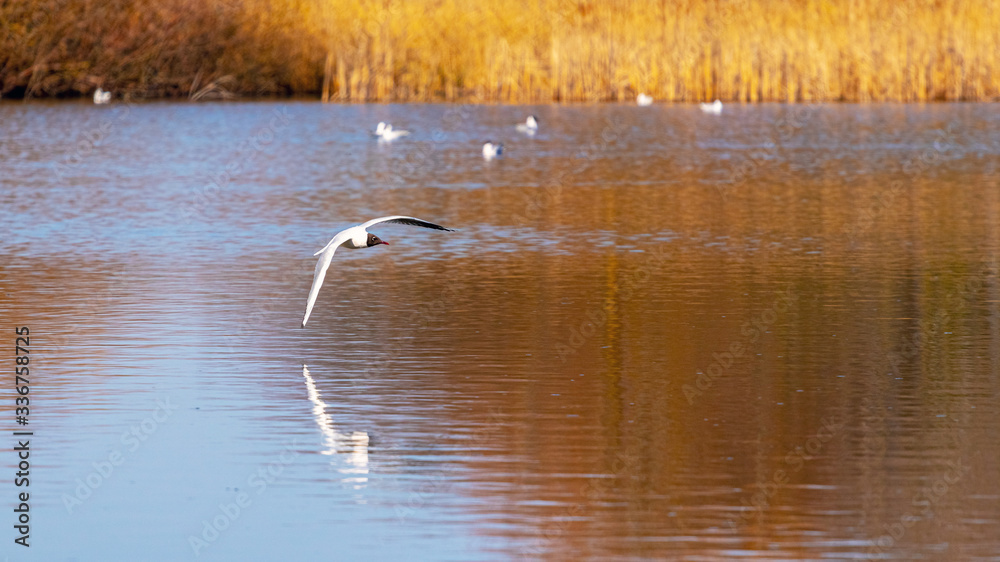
(101, 97)
(715, 108)
(384, 131)
(354, 238)
(491, 150)
(530, 126)
(643, 100)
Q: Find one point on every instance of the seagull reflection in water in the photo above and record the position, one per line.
(334, 442)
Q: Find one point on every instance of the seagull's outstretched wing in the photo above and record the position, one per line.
(400, 219)
(321, 266)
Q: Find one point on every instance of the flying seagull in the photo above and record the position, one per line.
(355, 237)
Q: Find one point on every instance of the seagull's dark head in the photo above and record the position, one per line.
(375, 240)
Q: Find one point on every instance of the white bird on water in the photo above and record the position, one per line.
(714, 108)
(354, 238)
(530, 126)
(384, 131)
(101, 97)
(642, 100)
(491, 150)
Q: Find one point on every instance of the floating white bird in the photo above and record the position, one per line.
(643, 100)
(530, 126)
(355, 237)
(715, 108)
(384, 131)
(491, 150)
(101, 97)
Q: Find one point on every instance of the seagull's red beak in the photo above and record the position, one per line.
(384, 242)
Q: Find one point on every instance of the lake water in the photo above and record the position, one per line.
(655, 334)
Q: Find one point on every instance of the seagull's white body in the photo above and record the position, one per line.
(101, 97)
(530, 125)
(642, 100)
(714, 108)
(491, 150)
(354, 237)
(384, 131)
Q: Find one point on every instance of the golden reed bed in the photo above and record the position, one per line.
(515, 51)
